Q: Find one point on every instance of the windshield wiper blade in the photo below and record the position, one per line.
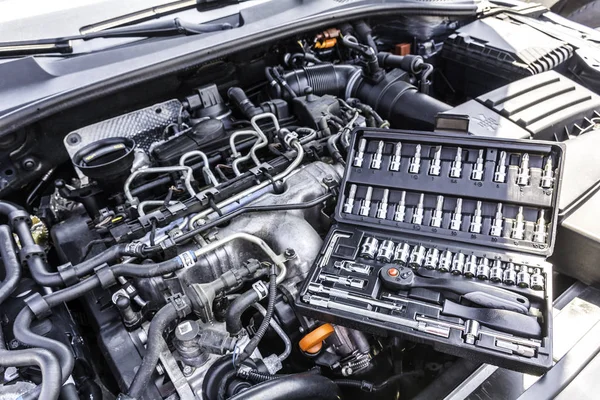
(155, 12)
(158, 28)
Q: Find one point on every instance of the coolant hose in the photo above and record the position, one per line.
(38, 267)
(233, 315)
(47, 363)
(12, 267)
(162, 319)
(24, 334)
(293, 387)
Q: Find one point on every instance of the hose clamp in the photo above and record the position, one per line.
(38, 305)
(33, 250)
(17, 216)
(68, 274)
(187, 259)
(261, 289)
(105, 275)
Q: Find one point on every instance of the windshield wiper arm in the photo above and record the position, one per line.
(156, 28)
(155, 12)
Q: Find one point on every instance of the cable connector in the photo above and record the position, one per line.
(181, 304)
(261, 289)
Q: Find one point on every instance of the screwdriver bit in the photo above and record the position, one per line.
(475, 226)
(360, 154)
(365, 208)
(518, 230)
(349, 205)
(497, 222)
(383, 205)
(500, 174)
(547, 174)
(415, 163)
(396, 158)
(436, 219)
(400, 208)
(376, 159)
(417, 217)
(477, 173)
(434, 168)
(456, 167)
(456, 220)
(523, 174)
(539, 231)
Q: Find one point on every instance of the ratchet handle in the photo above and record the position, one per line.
(402, 278)
(501, 320)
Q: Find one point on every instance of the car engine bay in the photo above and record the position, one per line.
(171, 253)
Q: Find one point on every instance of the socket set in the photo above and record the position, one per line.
(443, 239)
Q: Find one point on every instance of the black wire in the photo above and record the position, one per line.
(88, 247)
(153, 233)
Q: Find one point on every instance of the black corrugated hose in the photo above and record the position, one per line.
(264, 326)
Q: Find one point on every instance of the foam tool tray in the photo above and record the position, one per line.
(443, 239)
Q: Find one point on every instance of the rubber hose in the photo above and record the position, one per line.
(24, 334)
(12, 267)
(392, 97)
(36, 264)
(147, 270)
(90, 390)
(68, 392)
(363, 31)
(293, 387)
(162, 319)
(47, 363)
(264, 325)
(224, 383)
(233, 315)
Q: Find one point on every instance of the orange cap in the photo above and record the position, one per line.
(313, 342)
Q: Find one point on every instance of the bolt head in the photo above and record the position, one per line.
(28, 164)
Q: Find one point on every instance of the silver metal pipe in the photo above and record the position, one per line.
(293, 165)
(236, 154)
(210, 178)
(149, 203)
(250, 238)
(286, 340)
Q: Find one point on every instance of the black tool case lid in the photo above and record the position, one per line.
(532, 197)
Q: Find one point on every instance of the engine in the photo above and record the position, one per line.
(164, 258)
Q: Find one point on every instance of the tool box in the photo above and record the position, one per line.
(443, 239)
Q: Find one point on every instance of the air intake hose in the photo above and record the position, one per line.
(392, 97)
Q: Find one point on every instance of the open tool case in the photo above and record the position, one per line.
(443, 239)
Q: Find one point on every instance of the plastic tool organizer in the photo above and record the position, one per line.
(443, 239)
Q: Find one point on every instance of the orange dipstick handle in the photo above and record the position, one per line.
(313, 342)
